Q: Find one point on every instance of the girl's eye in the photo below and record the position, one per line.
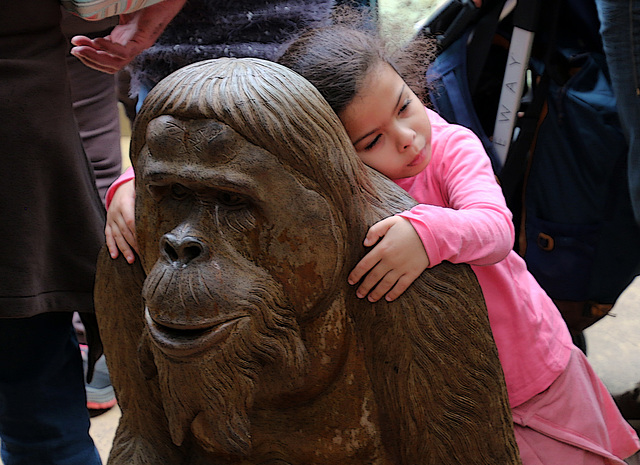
(372, 143)
(179, 192)
(404, 106)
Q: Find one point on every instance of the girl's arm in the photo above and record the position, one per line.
(125, 177)
(464, 219)
(120, 229)
(470, 221)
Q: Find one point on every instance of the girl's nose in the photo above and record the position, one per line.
(405, 137)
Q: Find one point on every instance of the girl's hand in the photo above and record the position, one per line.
(120, 230)
(393, 264)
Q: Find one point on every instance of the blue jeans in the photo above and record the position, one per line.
(43, 412)
(620, 30)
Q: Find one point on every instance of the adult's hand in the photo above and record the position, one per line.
(136, 32)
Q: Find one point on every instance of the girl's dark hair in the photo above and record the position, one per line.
(337, 58)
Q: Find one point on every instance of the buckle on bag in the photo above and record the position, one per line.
(545, 242)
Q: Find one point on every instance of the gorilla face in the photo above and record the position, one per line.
(239, 252)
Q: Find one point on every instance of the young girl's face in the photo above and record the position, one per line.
(388, 125)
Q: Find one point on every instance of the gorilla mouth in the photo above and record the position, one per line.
(186, 342)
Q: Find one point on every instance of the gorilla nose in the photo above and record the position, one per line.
(181, 251)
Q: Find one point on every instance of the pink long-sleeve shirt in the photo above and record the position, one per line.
(127, 176)
(463, 218)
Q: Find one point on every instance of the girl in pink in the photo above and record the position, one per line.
(562, 412)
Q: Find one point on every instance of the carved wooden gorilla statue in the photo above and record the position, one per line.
(236, 339)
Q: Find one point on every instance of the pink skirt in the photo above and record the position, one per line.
(575, 421)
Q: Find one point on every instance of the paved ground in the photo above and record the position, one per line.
(613, 344)
(103, 429)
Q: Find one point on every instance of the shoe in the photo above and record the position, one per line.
(629, 403)
(100, 393)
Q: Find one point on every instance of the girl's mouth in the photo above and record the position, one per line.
(418, 159)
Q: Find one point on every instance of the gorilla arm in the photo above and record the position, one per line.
(120, 314)
(436, 373)
(432, 361)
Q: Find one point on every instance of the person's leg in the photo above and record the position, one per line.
(620, 30)
(43, 413)
(95, 106)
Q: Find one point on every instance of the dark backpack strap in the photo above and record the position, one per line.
(448, 75)
(455, 20)
(479, 46)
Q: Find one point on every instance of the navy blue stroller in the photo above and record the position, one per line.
(530, 79)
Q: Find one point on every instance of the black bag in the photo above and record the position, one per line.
(565, 176)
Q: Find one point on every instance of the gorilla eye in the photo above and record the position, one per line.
(179, 192)
(231, 200)
(157, 192)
